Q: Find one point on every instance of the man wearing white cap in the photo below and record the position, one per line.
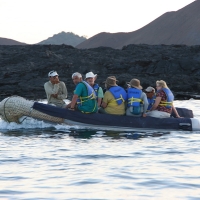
(56, 90)
(84, 98)
(90, 77)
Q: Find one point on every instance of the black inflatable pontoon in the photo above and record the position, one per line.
(113, 121)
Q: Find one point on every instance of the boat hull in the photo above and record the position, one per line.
(113, 121)
(12, 109)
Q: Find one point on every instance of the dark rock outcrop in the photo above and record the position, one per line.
(24, 69)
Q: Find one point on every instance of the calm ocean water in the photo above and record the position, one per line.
(43, 161)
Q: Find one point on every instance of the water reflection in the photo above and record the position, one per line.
(50, 164)
(135, 135)
(42, 161)
(82, 133)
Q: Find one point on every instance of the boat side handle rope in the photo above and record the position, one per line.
(4, 109)
(29, 114)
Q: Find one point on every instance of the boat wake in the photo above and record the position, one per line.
(30, 123)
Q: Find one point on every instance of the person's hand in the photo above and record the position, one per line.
(68, 105)
(73, 109)
(144, 115)
(54, 95)
(56, 81)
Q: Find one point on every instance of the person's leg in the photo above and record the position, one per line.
(128, 113)
(51, 104)
(158, 114)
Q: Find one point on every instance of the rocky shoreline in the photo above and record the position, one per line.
(24, 69)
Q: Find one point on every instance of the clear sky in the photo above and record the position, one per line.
(32, 21)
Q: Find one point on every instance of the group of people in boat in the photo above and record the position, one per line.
(89, 97)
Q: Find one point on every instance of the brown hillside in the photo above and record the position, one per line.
(5, 41)
(180, 27)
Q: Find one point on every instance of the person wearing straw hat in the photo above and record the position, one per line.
(137, 100)
(114, 98)
(56, 90)
(150, 92)
(84, 98)
(90, 77)
(163, 106)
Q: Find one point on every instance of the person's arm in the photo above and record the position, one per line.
(145, 104)
(49, 90)
(77, 93)
(100, 96)
(175, 111)
(104, 105)
(99, 102)
(155, 105)
(64, 92)
(73, 102)
(105, 100)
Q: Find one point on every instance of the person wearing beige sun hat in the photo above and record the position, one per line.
(90, 77)
(137, 100)
(114, 98)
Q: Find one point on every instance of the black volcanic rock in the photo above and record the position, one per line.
(64, 38)
(24, 69)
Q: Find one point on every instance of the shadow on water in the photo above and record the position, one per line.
(81, 133)
(25, 132)
(135, 135)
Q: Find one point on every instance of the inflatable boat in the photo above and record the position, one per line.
(15, 109)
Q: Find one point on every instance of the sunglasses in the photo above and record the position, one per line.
(150, 92)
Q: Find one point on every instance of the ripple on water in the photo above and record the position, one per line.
(42, 161)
